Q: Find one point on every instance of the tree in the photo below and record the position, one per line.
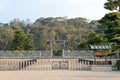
(22, 41)
(6, 36)
(93, 39)
(28, 43)
(111, 22)
(78, 22)
(112, 5)
(18, 41)
(17, 24)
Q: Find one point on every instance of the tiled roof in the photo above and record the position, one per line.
(100, 47)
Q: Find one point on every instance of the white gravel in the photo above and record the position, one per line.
(59, 75)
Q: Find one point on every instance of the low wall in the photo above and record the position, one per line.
(101, 68)
(10, 64)
(48, 64)
(43, 64)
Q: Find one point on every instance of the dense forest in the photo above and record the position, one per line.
(75, 30)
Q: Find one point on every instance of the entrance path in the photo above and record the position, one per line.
(59, 75)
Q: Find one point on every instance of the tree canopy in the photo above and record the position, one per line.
(112, 5)
(22, 41)
(111, 22)
(108, 30)
(75, 30)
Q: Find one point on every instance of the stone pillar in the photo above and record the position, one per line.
(69, 65)
(63, 48)
(51, 49)
(40, 55)
(63, 53)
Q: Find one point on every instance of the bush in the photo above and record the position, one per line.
(118, 64)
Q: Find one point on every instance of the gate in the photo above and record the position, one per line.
(60, 65)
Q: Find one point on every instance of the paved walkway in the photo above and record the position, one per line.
(59, 75)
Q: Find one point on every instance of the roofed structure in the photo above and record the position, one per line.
(100, 50)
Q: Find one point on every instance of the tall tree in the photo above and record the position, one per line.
(111, 22)
(6, 36)
(22, 41)
(18, 41)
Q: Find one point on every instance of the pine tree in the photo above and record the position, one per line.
(111, 22)
(22, 41)
(112, 5)
(28, 43)
(18, 41)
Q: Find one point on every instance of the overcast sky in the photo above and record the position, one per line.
(34, 9)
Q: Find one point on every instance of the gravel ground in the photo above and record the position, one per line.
(59, 75)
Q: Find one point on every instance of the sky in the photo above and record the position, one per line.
(34, 9)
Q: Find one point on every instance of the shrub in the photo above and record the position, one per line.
(118, 64)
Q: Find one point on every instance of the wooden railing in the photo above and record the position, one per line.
(27, 63)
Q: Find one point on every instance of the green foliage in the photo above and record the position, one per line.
(83, 46)
(94, 24)
(6, 36)
(28, 43)
(111, 22)
(78, 22)
(74, 30)
(22, 41)
(18, 41)
(112, 5)
(93, 39)
(118, 64)
(112, 32)
(96, 40)
(57, 53)
(17, 24)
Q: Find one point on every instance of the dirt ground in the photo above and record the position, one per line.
(59, 75)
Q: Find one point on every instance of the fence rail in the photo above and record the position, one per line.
(25, 54)
(47, 55)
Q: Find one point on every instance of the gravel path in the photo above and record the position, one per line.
(59, 75)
